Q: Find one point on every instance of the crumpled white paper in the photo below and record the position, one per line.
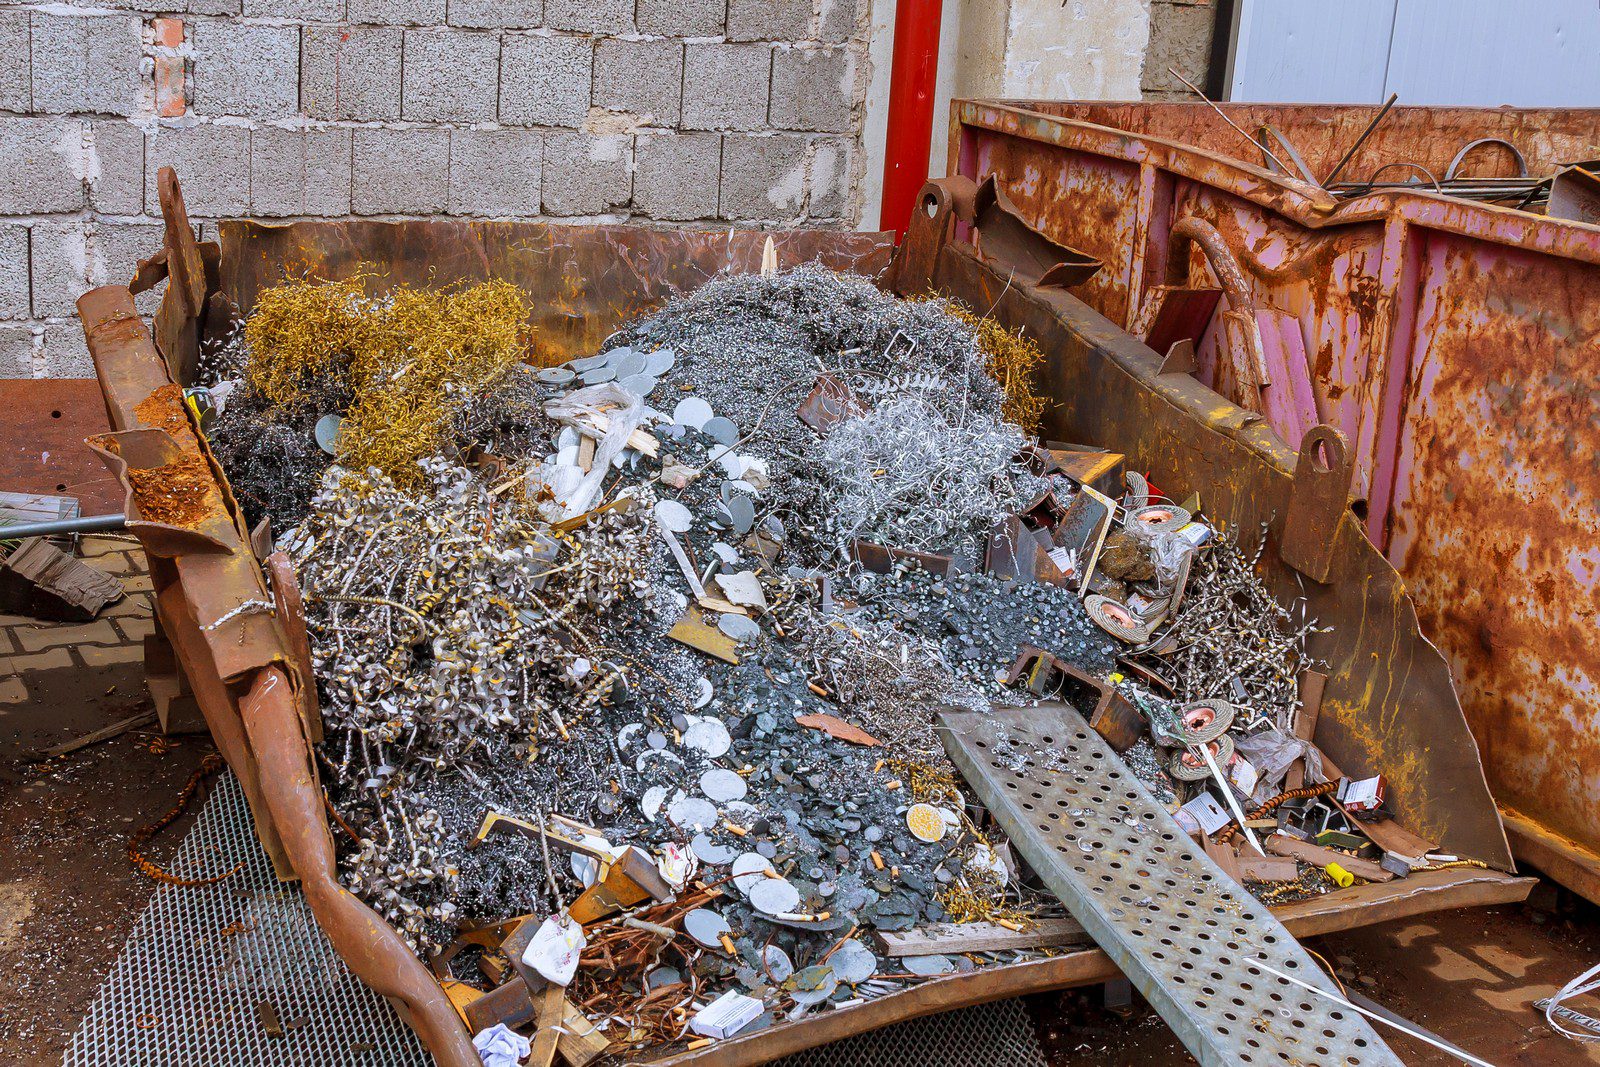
(501, 1046)
(555, 948)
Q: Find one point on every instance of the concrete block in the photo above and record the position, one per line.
(86, 63)
(212, 162)
(450, 76)
(242, 69)
(1180, 40)
(299, 172)
(14, 277)
(115, 167)
(400, 172)
(16, 352)
(642, 78)
(769, 20)
(351, 73)
(682, 18)
(495, 172)
(834, 191)
(42, 159)
(65, 354)
(205, 7)
(839, 20)
(725, 86)
(397, 12)
(590, 16)
(16, 87)
(764, 177)
(298, 10)
(544, 81)
(814, 89)
(70, 258)
(586, 174)
(496, 14)
(676, 176)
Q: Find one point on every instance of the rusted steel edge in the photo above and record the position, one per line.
(246, 679)
(1424, 892)
(1291, 198)
(1559, 857)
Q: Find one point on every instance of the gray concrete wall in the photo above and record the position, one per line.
(670, 112)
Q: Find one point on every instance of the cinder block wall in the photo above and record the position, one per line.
(664, 111)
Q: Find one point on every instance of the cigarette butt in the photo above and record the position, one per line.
(877, 860)
(894, 872)
(677, 738)
(734, 829)
(700, 1042)
(824, 916)
(616, 787)
(817, 689)
(727, 944)
(876, 767)
(1009, 925)
(891, 785)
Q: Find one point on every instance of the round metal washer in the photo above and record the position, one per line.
(707, 736)
(928, 966)
(598, 375)
(709, 852)
(589, 362)
(626, 362)
(674, 516)
(555, 375)
(692, 412)
(639, 384)
(778, 963)
(741, 628)
(721, 430)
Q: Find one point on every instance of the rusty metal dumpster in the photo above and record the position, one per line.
(1388, 701)
(1455, 341)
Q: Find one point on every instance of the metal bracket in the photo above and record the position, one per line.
(1320, 493)
(1195, 944)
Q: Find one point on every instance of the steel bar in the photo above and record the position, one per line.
(81, 525)
(1350, 152)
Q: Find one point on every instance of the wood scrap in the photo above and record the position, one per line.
(105, 733)
(552, 1003)
(1284, 845)
(1253, 868)
(39, 580)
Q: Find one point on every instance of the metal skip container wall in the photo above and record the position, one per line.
(1453, 336)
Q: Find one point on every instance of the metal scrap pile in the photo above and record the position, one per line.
(628, 666)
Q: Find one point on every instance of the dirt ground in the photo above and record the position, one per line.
(68, 896)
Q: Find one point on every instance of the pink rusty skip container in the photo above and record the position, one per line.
(1454, 341)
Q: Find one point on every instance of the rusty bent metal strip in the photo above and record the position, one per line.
(1389, 698)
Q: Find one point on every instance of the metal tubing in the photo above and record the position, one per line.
(910, 134)
(81, 525)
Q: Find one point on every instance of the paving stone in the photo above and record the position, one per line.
(109, 655)
(13, 690)
(66, 635)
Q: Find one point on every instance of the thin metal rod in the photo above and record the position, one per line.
(82, 524)
(1420, 1035)
(1227, 794)
(1351, 152)
(1253, 142)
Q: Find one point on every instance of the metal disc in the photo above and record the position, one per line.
(928, 966)
(778, 963)
(1188, 768)
(709, 852)
(814, 984)
(722, 785)
(1206, 720)
(326, 432)
(703, 693)
(707, 736)
(741, 628)
(721, 430)
(589, 362)
(639, 384)
(705, 926)
(674, 516)
(853, 962)
(693, 412)
(662, 976)
(693, 813)
(750, 868)
(555, 375)
(742, 512)
(626, 362)
(774, 896)
(660, 361)
(598, 375)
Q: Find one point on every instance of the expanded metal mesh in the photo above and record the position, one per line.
(201, 959)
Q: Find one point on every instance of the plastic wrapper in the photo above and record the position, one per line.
(1272, 752)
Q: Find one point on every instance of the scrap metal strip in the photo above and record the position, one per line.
(1187, 936)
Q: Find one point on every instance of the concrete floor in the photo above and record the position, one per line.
(68, 895)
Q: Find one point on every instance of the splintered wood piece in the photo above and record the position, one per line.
(692, 630)
(41, 581)
(582, 1042)
(1284, 845)
(552, 1003)
(937, 938)
(836, 727)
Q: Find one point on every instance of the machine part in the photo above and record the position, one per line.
(912, 71)
(1187, 936)
(1322, 475)
(1206, 720)
(202, 957)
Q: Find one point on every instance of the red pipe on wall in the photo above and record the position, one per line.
(912, 71)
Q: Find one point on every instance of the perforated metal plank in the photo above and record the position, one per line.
(1186, 935)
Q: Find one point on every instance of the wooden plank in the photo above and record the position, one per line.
(1224, 856)
(1305, 723)
(552, 1001)
(1283, 845)
(937, 938)
(582, 1042)
(1253, 868)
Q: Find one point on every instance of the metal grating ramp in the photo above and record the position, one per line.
(1186, 935)
(185, 989)
(201, 958)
